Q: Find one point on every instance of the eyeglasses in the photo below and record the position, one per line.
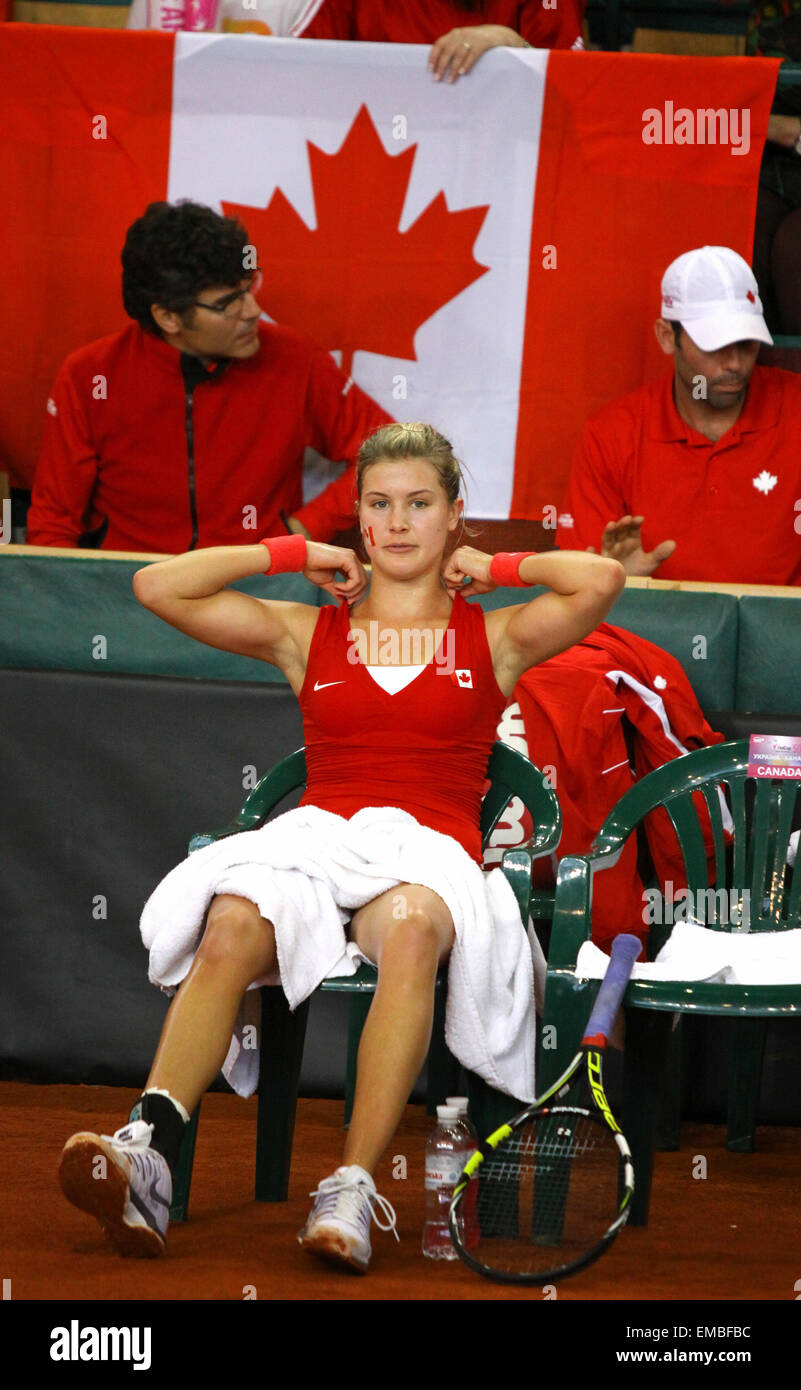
(232, 305)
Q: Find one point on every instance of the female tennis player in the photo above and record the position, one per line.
(380, 731)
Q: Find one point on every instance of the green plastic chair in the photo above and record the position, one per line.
(510, 775)
(754, 863)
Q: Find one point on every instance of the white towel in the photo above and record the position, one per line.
(308, 871)
(693, 952)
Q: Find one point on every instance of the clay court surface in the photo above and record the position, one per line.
(735, 1235)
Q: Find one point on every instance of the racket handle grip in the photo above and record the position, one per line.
(625, 950)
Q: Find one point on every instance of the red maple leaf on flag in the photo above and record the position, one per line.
(356, 282)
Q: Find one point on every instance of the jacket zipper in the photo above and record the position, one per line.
(190, 451)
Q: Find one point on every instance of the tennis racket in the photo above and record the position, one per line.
(547, 1193)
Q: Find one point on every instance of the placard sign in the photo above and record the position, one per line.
(772, 756)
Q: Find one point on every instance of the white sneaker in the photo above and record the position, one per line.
(338, 1228)
(123, 1183)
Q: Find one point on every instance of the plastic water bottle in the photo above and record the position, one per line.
(460, 1103)
(468, 1210)
(447, 1151)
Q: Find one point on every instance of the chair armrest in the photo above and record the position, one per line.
(571, 924)
(285, 777)
(516, 866)
(236, 826)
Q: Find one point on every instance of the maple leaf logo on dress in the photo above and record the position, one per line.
(356, 283)
(765, 481)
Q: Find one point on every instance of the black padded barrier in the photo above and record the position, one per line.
(104, 779)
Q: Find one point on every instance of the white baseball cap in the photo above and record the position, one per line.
(712, 291)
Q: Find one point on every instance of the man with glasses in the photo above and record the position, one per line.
(188, 428)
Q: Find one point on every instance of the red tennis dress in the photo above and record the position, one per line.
(424, 749)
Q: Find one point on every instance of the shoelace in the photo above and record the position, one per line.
(125, 1135)
(144, 1163)
(331, 1193)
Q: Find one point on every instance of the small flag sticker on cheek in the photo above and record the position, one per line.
(369, 534)
(463, 679)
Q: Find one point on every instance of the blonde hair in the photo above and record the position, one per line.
(412, 440)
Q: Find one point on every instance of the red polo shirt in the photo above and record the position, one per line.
(174, 469)
(733, 506)
(425, 21)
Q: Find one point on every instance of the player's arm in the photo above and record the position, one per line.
(189, 592)
(583, 589)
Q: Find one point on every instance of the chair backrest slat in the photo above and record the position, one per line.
(712, 797)
(773, 816)
(785, 806)
(736, 788)
(782, 806)
(758, 848)
(685, 822)
(794, 899)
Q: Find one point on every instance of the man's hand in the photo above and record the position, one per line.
(622, 541)
(784, 130)
(456, 52)
(324, 562)
(296, 527)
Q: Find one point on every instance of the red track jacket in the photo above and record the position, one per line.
(568, 715)
(176, 465)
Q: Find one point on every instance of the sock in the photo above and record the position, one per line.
(169, 1120)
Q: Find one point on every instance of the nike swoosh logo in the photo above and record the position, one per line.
(325, 684)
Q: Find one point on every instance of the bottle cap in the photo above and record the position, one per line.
(459, 1102)
(446, 1113)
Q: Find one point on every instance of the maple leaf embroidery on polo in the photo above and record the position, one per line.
(355, 282)
(765, 481)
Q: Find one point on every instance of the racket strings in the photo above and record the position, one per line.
(546, 1196)
(528, 1155)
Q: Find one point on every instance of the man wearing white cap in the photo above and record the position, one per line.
(698, 474)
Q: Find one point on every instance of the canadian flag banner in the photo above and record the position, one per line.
(484, 255)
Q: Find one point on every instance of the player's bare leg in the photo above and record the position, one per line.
(408, 932)
(238, 947)
(125, 1180)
